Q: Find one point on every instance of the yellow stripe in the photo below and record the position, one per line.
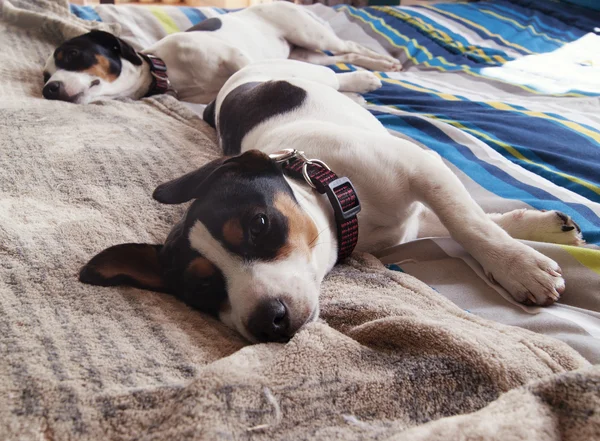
(437, 32)
(519, 156)
(570, 124)
(516, 23)
(587, 257)
(500, 106)
(475, 25)
(445, 96)
(167, 22)
(464, 68)
(514, 152)
(403, 37)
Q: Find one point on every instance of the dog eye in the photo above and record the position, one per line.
(258, 226)
(71, 53)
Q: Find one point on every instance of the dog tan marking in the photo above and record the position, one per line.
(301, 228)
(59, 55)
(101, 69)
(201, 267)
(232, 232)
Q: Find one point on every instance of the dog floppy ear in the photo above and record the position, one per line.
(131, 264)
(194, 184)
(190, 185)
(116, 45)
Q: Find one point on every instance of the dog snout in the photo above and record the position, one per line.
(271, 322)
(55, 90)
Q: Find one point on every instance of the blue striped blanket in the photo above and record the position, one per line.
(474, 91)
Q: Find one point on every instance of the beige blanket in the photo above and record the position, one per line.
(391, 358)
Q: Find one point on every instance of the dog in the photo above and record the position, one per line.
(99, 65)
(255, 243)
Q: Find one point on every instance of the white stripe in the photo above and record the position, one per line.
(590, 324)
(471, 36)
(585, 321)
(485, 153)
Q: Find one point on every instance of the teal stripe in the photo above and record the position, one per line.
(509, 32)
(487, 175)
(455, 37)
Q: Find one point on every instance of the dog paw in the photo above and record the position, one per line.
(356, 97)
(361, 81)
(529, 276)
(543, 226)
(570, 232)
(388, 65)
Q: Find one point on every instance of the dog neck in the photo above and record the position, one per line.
(135, 81)
(317, 206)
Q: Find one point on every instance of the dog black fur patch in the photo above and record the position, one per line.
(210, 24)
(249, 105)
(83, 52)
(209, 114)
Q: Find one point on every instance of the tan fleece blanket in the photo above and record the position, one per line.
(390, 359)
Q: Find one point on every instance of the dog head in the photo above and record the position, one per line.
(243, 251)
(92, 66)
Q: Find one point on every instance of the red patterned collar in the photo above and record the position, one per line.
(340, 191)
(160, 80)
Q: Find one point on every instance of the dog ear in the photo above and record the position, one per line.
(209, 114)
(193, 185)
(253, 161)
(115, 44)
(131, 264)
(190, 185)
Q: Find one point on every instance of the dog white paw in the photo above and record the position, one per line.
(387, 65)
(560, 228)
(543, 226)
(529, 276)
(361, 81)
(356, 97)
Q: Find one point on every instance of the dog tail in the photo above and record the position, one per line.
(209, 114)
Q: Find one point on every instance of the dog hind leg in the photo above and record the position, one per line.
(524, 224)
(301, 28)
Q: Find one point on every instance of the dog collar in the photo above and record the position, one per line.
(160, 80)
(340, 191)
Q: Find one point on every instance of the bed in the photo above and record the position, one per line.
(518, 136)
(442, 358)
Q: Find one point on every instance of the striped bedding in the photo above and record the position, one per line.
(512, 143)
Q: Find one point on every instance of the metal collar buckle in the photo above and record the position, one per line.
(286, 154)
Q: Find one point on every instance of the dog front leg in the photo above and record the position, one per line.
(529, 276)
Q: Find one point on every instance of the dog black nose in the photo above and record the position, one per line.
(53, 90)
(270, 321)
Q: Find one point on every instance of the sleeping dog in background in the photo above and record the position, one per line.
(255, 244)
(99, 65)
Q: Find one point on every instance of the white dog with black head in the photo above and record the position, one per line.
(195, 64)
(257, 240)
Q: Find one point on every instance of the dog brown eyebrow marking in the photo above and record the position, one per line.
(101, 69)
(201, 267)
(59, 55)
(232, 232)
(301, 228)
